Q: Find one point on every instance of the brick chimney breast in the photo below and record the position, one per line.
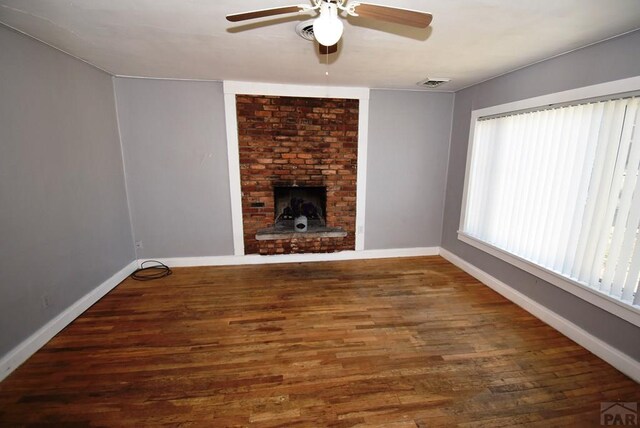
(296, 141)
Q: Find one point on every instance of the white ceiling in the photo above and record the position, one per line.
(468, 41)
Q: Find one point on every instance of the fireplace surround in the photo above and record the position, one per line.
(297, 143)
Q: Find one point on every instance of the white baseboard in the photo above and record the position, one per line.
(616, 358)
(256, 259)
(37, 340)
(611, 355)
(28, 347)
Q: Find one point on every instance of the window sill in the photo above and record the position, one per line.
(626, 311)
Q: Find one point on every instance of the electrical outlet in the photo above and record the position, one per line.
(139, 245)
(46, 301)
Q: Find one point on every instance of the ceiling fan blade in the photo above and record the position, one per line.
(326, 50)
(396, 15)
(236, 17)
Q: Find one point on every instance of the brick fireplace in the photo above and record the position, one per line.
(297, 143)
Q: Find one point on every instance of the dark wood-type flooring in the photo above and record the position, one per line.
(412, 342)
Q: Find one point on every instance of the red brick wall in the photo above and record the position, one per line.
(305, 141)
(304, 245)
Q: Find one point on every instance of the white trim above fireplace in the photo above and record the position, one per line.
(281, 90)
(232, 88)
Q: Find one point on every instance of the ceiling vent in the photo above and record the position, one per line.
(305, 30)
(432, 82)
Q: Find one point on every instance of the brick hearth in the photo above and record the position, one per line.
(288, 141)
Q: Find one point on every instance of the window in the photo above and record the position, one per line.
(557, 190)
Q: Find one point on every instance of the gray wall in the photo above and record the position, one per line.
(610, 60)
(175, 150)
(406, 170)
(64, 221)
(174, 142)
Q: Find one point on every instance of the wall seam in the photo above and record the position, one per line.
(55, 47)
(124, 170)
(446, 172)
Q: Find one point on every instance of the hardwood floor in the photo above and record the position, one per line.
(412, 342)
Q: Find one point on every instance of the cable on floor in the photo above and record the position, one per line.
(148, 273)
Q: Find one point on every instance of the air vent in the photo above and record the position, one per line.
(305, 30)
(432, 82)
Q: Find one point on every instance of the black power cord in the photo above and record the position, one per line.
(157, 271)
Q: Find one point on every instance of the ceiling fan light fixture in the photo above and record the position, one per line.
(328, 28)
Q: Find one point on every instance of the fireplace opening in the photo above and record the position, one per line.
(300, 211)
(300, 208)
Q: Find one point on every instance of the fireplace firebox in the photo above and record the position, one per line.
(300, 208)
(299, 211)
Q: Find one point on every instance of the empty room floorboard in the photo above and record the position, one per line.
(409, 342)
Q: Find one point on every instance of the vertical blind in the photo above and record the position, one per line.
(559, 188)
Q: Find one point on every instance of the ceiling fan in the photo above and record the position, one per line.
(327, 27)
